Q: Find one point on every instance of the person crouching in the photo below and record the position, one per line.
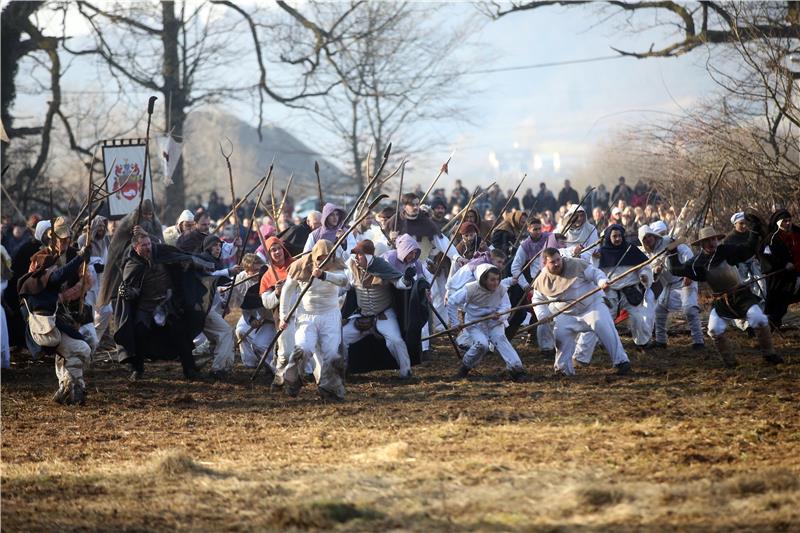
(487, 298)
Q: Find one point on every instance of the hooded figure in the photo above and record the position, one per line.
(628, 293)
(318, 320)
(579, 233)
(781, 248)
(184, 223)
(405, 255)
(505, 234)
(487, 297)
(118, 248)
(329, 229)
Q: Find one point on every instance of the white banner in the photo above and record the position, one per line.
(128, 161)
(170, 151)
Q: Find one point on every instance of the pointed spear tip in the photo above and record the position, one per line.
(388, 151)
(316, 167)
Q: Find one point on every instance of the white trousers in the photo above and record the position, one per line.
(481, 335)
(72, 355)
(102, 317)
(389, 330)
(640, 318)
(90, 334)
(672, 299)
(437, 300)
(595, 319)
(318, 337)
(717, 325)
(253, 343)
(544, 332)
(220, 336)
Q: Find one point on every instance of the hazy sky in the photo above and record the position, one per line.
(544, 121)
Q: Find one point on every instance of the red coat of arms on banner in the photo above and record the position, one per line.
(128, 176)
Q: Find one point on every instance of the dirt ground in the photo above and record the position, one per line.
(680, 444)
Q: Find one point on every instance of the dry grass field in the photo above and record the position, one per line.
(682, 444)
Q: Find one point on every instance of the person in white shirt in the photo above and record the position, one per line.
(567, 279)
(487, 297)
(318, 320)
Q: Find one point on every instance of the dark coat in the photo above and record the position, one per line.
(193, 292)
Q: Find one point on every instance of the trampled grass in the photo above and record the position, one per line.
(680, 444)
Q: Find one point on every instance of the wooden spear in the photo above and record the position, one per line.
(443, 170)
(576, 301)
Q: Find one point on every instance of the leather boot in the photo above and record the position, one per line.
(726, 351)
(765, 343)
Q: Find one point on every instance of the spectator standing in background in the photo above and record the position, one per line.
(600, 197)
(567, 194)
(621, 192)
(545, 199)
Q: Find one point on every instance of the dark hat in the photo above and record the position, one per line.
(366, 247)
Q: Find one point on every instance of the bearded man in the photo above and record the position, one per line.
(567, 279)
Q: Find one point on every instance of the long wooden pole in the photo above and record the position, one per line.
(499, 217)
(239, 204)
(594, 291)
(443, 170)
(150, 106)
(325, 261)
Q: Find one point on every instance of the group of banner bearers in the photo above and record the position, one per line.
(358, 297)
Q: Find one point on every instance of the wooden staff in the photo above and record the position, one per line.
(443, 170)
(285, 195)
(85, 265)
(453, 237)
(399, 196)
(239, 204)
(150, 106)
(253, 216)
(319, 184)
(502, 211)
(230, 181)
(463, 211)
(488, 317)
(325, 261)
(576, 301)
(746, 284)
(449, 334)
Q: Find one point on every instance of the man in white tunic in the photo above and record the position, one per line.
(318, 321)
(567, 278)
(487, 298)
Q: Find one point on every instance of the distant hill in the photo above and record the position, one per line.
(205, 170)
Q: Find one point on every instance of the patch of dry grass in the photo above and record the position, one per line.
(681, 444)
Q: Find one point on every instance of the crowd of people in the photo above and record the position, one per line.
(342, 292)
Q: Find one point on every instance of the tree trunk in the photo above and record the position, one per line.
(175, 93)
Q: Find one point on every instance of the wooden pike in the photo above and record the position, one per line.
(581, 298)
(502, 211)
(444, 170)
(239, 204)
(325, 261)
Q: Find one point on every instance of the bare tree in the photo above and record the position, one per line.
(178, 51)
(694, 24)
(393, 68)
(23, 38)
